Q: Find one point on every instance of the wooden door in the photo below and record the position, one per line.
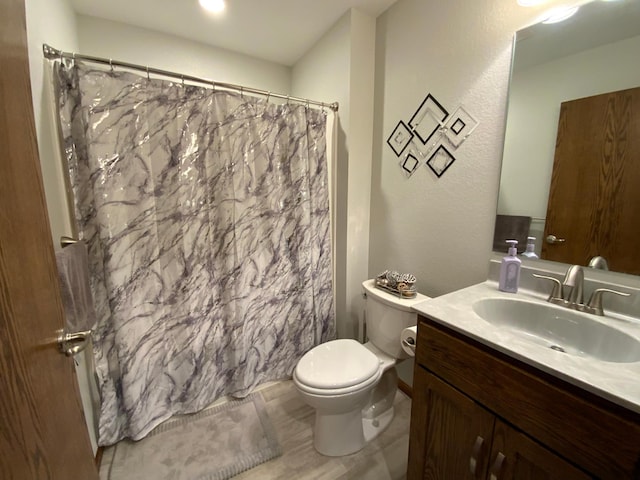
(514, 456)
(594, 198)
(450, 434)
(42, 429)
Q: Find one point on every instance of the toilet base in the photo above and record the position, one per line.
(383, 395)
(372, 427)
(338, 434)
(355, 431)
(350, 437)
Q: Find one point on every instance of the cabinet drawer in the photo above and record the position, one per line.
(596, 435)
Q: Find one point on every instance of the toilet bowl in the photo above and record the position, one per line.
(352, 386)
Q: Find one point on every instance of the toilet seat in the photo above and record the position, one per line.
(337, 366)
(336, 392)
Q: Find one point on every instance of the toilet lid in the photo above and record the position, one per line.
(337, 364)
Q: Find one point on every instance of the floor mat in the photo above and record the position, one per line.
(214, 444)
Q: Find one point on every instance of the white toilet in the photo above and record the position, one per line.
(352, 386)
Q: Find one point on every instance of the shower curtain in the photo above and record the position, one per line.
(206, 215)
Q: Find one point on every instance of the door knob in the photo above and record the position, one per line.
(73, 343)
(552, 239)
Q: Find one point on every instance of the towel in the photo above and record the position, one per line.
(73, 272)
(511, 227)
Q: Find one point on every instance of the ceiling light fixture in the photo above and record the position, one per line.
(214, 6)
(560, 14)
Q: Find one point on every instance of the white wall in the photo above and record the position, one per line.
(52, 22)
(323, 74)
(534, 108)
(103, 38)
(459, 51)
(340, 67)
(360, 141)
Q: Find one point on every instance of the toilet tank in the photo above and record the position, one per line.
(386, 317)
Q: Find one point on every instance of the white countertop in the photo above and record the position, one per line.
(618, 382)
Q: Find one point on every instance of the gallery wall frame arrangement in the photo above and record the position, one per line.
(431, 136)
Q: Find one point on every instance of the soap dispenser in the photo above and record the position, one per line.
(530, 252)
(510, 270)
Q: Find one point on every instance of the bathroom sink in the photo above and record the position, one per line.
(560, 329)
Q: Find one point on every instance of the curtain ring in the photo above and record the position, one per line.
(148, 78)
(242, 92)
(111, 64)
(307, 104)
(213, 85)
(182, 79)
(268, 95)
(287, 99)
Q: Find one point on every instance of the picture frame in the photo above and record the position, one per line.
(440, 161)
(459, 126)
(400, 138)
(428, 118)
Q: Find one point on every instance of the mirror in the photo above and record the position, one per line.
(594, 52)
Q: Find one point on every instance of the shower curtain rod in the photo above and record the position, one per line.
(52, 53)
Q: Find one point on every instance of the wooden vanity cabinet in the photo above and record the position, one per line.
(478, 414)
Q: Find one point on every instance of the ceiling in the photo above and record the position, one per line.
(279, 31)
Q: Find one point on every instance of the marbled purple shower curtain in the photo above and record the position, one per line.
(207, 220)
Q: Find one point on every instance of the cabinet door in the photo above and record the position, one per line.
(450, 433)
(516, 456)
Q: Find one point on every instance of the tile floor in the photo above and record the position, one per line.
(385, 458)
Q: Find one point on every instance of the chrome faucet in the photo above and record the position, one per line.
(569, 292)
(574, 279)
(599, 263)
(574, 297)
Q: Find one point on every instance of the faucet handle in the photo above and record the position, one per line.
(595, 302)
(556, 295)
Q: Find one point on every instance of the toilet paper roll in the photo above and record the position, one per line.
(408, 339)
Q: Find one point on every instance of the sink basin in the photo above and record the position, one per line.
(560, 329)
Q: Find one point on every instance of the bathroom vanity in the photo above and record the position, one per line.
(493, 402)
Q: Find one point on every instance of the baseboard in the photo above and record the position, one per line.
(405, 388)
(99, 453)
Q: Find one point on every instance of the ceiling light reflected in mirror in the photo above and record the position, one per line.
(530, 3)
(213, 6)
(558, 15)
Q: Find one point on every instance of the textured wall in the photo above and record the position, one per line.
(340, 67)
(323, 74)
(108, 39)
(441, 229)
(52, 22)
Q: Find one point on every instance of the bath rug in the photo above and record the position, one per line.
(214, 444)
